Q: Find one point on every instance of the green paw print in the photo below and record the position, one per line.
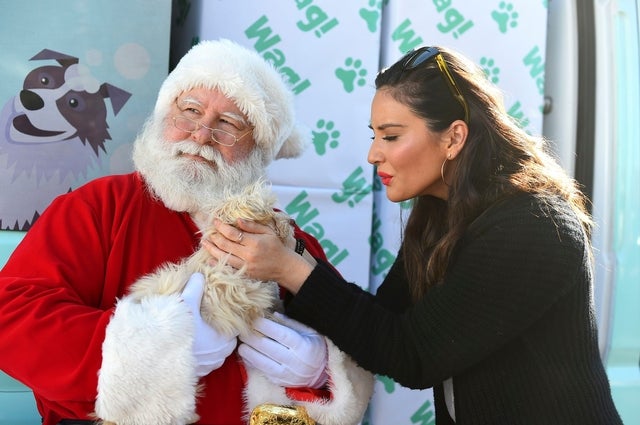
(505, 17)
(327, 136)
(353, 75)
(372, 16)
(490, 69)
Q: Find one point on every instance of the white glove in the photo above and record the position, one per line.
(210, 347)
(289, 354)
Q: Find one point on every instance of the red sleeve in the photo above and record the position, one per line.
(59, 287)
(51, 330)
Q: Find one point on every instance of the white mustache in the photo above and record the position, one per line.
(191, 148)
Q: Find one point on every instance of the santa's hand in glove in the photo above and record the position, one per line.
(210, 347)
(289, 353)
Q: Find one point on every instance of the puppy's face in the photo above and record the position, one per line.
(57, 103)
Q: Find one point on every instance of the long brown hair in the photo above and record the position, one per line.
(499, 159)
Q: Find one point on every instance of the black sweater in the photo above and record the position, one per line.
(513, 323)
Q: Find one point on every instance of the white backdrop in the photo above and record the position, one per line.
(331, 52)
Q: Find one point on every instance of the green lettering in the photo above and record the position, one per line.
(535, 61)
(263, 42)
(300, 210)
(400, 33)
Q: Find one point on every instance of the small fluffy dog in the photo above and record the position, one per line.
(231, 301)
(135, 383)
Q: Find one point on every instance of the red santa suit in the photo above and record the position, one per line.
(67, 328)
(58, 292)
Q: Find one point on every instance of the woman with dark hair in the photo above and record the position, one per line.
(490, 298)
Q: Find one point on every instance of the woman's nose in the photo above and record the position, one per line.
(374, 156)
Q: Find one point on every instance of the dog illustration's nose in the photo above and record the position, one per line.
(30, 100)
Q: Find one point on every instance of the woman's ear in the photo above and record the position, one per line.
(457, 137)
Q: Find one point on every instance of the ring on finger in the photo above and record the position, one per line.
(239, 238)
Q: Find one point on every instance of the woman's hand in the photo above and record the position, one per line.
(257, 249)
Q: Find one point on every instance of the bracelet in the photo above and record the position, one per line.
(299, 246)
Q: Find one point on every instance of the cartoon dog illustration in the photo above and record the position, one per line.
(51, 133)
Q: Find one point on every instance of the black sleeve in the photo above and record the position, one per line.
(514, 268)
(394, 293)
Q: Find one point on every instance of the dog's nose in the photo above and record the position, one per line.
(30, 100)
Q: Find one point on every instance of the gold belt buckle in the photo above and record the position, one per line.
(274, 414)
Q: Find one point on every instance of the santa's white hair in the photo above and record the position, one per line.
(256, 88)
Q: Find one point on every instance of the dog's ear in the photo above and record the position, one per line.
(118, 96)
(61, 58)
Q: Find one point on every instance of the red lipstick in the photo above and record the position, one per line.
(385, 178)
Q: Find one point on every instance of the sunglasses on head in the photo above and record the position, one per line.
(417, 57)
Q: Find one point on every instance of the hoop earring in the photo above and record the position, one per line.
(442, 170)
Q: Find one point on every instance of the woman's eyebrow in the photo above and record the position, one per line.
(387, 125)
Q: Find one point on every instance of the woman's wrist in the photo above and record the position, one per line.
(301, 265)
(297, 271)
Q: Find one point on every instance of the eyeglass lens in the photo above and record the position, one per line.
(219, 136)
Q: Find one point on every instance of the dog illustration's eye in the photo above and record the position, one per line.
(46, 79)
(74, 101)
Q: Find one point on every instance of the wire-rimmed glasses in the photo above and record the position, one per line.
(219, 136)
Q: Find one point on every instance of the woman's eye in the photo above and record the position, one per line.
(390, 138)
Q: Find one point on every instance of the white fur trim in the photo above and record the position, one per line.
(351, 390)
(256, 87)
(148, 370)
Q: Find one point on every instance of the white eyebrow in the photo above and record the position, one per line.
(193, 100)
(237, 117)
(232, 115)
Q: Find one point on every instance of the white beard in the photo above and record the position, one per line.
(185, 184)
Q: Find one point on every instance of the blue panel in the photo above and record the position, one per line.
(623, 362)
(119, 47)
